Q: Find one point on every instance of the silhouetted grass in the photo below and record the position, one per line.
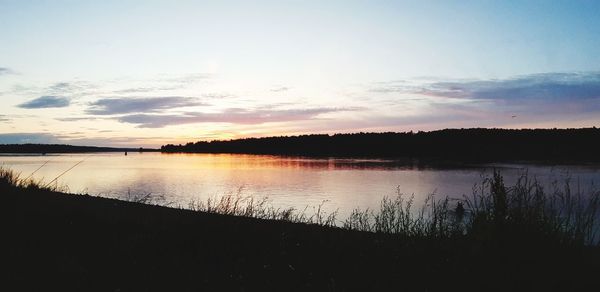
(502, 238)
(248, 206)
(11, 179)
(523, 211)
(566, 214)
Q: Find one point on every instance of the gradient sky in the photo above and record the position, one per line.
(147, 73)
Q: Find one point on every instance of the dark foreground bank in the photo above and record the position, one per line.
(54, 241)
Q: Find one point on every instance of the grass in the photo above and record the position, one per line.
(525, 210)
(248, 206)
(502, 238)
(10, 179)
(566, 214)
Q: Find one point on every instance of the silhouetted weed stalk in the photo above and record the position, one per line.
(567, 214)
(525, 211)
(11, 179)
(146, 198)
(248, 206)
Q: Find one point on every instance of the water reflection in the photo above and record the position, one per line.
(289, 181)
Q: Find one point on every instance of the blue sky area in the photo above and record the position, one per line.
(146, 73)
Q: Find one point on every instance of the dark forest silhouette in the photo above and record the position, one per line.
(465, 144)
(60, 148)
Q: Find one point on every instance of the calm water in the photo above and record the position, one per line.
(288, 181)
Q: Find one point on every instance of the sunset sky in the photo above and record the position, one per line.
(147, 73)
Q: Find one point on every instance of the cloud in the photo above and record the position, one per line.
(74, 88)
(145, 89)
(162, 83)
(218, 95)
(46, 102)
(78, 139)
(544, 87)
(60, 86)
(115, 141)
(392, 86)
(535, 96)
(549, 99)
(5, 71)
(24, 138)
(280, 89)
(186, 79)
(232, 116)
(126, 105)
(76, 119)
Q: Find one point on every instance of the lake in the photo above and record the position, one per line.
(342, 184)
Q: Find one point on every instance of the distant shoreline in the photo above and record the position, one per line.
(475, 145)
(465, 145)
(62, 148)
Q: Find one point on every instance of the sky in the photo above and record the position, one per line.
(148, 73)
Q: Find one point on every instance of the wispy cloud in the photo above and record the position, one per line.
(76, 119)
(392, 86)
(161, 83)
(545, 87)
(77, 138)
(548, 87)
(5, 71)
(535, 95)
(186, 78)
(215, 95)
(232, 116)
(24, 138)
(126, 105)
(78, 89)
(73, 89)
(61, 86)
(280, 89)
(145, 89)
(46, 102)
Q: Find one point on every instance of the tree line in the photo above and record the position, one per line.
(581, 144)
(57, 148)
